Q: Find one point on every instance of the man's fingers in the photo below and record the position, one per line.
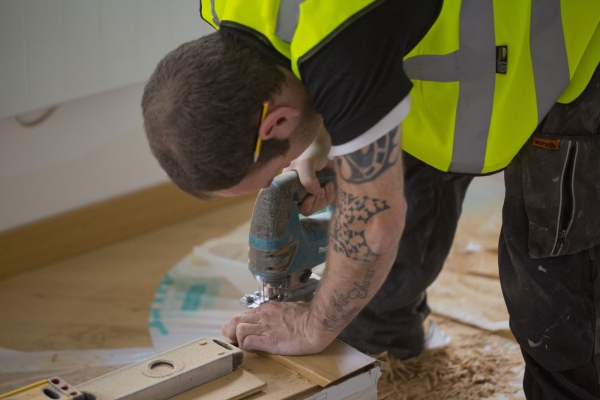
(230, 328)
(240, 328)
(309, 180)
(244, 330)
(329, 193)
(259, 343)
(228, 331)
(306, 206)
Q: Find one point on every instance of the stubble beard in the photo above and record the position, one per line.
(310, 123)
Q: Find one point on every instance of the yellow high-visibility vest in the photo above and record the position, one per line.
(485, 74)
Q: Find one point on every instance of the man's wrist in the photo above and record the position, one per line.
(319, 335)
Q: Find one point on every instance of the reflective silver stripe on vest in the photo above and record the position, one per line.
(474, 66)
(550, 63)
(287, 19)
(433, 68)
(477, 82)
(216, 20)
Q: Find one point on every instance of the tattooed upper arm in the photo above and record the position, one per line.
(355, 207)
(347, 231)
(368, 163)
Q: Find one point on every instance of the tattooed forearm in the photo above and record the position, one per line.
(341, 307)
(347, 234)
(368, 163)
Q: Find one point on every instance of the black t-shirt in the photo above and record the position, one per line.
(356, 80)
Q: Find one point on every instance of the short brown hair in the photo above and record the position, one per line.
(201, 111)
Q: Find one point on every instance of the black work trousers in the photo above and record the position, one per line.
(549, 251)
(553, 306)
(393, 319)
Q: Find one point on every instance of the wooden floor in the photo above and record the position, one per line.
(101, 299)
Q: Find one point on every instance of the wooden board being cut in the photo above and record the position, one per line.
(338, 360)
(237, 385)
(282, 383)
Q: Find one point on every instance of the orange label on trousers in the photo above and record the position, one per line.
(546, 143)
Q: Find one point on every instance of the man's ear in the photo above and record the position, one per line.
(279, 123)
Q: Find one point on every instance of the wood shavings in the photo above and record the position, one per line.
(472, 367)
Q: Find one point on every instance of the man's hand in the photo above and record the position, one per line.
(279, 328)
(314, 159)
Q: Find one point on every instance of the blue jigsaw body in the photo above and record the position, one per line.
(284, 246)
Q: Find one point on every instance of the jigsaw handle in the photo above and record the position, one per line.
(280, 241)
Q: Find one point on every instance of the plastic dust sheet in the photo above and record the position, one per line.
(202, 291)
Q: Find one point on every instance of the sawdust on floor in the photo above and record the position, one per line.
(475, 365)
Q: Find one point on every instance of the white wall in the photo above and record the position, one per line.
(93, 147)
(87, 151)
(58, 50)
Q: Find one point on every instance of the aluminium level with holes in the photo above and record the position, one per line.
(167, 374)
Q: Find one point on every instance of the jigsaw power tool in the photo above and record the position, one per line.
(284, 247)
